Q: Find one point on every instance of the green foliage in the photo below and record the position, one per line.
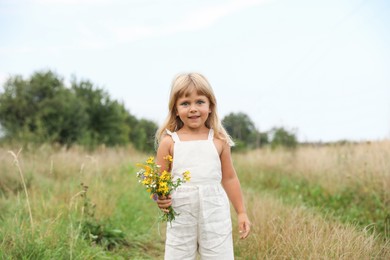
(281, 137)
(106, 118)
(95, 231)
(41, 109)
(245, 134)
(142, 135)
(243, 131)
(63, 118)
(24, 104)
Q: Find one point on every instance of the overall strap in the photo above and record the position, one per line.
(174, 136)
(211, 134)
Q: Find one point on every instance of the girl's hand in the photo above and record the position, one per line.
(163, 202)
(243, 225)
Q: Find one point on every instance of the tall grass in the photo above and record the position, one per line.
(16, 162)
(53, 178)
(334, 166)
(75, 222)
(282, 231)
(350, 182)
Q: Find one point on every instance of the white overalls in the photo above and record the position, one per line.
(204, 224)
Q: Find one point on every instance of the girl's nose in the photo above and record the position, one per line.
(192, 108)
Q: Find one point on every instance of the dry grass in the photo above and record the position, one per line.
(286, 232)
(335, 167)
(53, 176)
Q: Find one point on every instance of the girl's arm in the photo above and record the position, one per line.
(163, 150)
(232, 186)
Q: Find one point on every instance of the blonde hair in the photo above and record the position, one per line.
(183, 85)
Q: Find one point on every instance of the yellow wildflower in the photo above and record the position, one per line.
(165, 176)
(168, 158)
(187, 175)
(147, 169)
(163, 189)
(150, 160)
(146, 181)
(157, 182)
(162, 184)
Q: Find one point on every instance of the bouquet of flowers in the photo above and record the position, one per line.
(159, 183)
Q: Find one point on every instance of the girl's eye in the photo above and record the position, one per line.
(200, 102)
(184, 104)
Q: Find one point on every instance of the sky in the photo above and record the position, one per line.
(319, 68)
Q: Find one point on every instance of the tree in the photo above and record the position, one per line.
(64, 118)
(42, 109)
(33, 109)
(107, 119)
(281, 137)
(142, 135)
(243, 131)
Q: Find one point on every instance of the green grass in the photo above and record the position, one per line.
(128, 233)
(69, 222)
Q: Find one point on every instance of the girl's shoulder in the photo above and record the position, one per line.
(166, 143)
(166, 140)
(221, 145)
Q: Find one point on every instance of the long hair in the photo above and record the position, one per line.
(183, 85)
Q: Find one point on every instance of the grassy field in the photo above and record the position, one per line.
(329, 202)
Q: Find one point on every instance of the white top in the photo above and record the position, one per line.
(199, 157)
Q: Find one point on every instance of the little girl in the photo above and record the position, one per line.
(194, 136)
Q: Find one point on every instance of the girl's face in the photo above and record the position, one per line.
(193, 110)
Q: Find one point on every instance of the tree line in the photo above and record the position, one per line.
(41, 109)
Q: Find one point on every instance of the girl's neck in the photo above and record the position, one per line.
(188, 134)
(188, 130)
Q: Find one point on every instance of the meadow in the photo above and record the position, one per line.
(314, 202)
